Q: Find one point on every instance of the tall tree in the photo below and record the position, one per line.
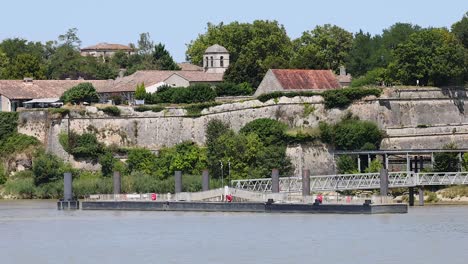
(26, 65)
(362, 54)
(432, 57)
(162, 59)
(460, 29)
(70, 38)
(253, 48)
(324, 47)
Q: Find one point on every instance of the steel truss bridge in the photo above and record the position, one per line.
(364, 181)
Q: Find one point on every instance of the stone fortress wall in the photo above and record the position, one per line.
(411, 118)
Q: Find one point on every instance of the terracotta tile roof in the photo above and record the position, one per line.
(186, 66)
(107, 46)
(306, 79)
(18, 89)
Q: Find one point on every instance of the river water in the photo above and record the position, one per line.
(35, 232)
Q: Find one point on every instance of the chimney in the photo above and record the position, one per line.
(342, 71)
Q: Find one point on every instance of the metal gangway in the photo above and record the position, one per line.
(364, 181)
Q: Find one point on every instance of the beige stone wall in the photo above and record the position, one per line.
(5, 104)
(269, 84)
(417, 119)
(176, 80)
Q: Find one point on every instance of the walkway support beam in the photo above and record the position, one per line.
(411, 196)
(275, 181)
(205, 180)
(421, 195)
(305, 182)
(384, 182)
(178, 181)
(117, 182)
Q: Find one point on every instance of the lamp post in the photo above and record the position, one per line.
(222, 176)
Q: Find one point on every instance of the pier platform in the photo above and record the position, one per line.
(256, 207)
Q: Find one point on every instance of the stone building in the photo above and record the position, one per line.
(291, 80)
(105, 50)
(216, 59)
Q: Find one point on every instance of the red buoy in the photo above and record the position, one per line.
(153, 196)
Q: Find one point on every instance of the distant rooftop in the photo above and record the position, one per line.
(107, 46)
(306, 79)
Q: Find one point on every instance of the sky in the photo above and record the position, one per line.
(175, 22)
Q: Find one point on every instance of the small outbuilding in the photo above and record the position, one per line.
(294, 80)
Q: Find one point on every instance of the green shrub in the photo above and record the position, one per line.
(20, 188)
(265, 97)
(268, 130)
(232, 89)
(140, 92)
(50, 190)
(197, 93)
(140, 159)
(431, 197)
(47, 168)
(3, 174)
(16, 143)
(144, 108)
(346, 164)
(374, 166)
(60, 111)
(84, 146)
(111, 110)
(302, 135)
(88, 183)
(107, 162)
(446, 161)
(83, 92)
(8, 124)
(372, 77)
(195, 109)
(351, 134)
(342, 98)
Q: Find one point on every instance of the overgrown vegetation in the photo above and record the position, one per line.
(339, 98)
(351, 134)
(153, 108)
(196, 93)
(446, 161)
(111, 110)
(196, 109)
(83, 92)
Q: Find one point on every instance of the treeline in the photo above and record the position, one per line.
(61, 59)
(403, 54)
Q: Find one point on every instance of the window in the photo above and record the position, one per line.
(221, 61)
(211, 61)
(206, 65)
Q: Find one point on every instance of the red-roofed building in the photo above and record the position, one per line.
(105, 50)
(293, 80)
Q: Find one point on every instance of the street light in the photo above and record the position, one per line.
(222, 178)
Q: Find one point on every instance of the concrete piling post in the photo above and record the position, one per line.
(305, 182)
(67, 186)
(178, 181)
(383, 182)
(421, 195)
(275, 181)
(68, 203)
(205, 180)
(117, 182)
(411, 196)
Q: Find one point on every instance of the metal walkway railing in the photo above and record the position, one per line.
(363, 181)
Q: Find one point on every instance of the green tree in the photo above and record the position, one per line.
(391, 38)
(140, 92)
(460, 29)
(362, 54)
(268, 130)
(324, 47)
(215, 128)
(143, 160)
(66, 62)
(162, 59)
(432, 56)
(446, 161)
(70, 39)
(47, 168)
(26, 65)
(346, 164)
(83, 92)
(253, 48)
(351, 134)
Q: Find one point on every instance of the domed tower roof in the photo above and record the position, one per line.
(216, 49)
